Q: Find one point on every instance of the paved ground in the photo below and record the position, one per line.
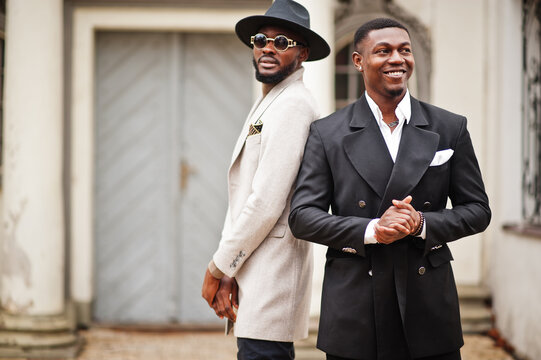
(109, 344)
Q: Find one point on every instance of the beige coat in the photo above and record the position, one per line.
(272, 268)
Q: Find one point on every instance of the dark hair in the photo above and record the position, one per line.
(376, 24)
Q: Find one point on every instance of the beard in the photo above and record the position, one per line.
(276, 77)
(395, 92)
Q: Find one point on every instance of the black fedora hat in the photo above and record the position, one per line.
(290, 15)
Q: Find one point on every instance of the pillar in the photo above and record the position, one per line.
(319, 75)
(319, 78)
(33, 317)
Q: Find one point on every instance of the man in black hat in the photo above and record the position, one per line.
(257, 251)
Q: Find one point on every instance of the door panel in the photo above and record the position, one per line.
(133, 201)
(169, 107)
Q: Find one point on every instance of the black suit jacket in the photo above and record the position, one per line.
(347, 166)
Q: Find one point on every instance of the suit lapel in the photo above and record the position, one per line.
(260, 106)
(366, 148)
(244, 131)
(415, 153)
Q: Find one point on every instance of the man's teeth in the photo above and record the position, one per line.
(395, 73)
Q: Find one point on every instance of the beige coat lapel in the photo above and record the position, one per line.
(259, 108)
(244, 131)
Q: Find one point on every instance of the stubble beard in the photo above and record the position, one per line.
(396, 92)
(276, 77)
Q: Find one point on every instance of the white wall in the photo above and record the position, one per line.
(514, 268)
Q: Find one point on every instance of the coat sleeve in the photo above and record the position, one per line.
(282, 146)
(470, 212)
(309, 218)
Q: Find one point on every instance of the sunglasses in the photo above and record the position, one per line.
(281, 42)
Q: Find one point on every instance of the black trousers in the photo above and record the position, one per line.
(253, 349)
(455, 355)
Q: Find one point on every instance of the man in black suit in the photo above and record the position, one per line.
(386, 165)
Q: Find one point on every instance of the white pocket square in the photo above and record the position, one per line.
(441, 157)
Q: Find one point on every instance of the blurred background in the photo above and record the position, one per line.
(118, 122)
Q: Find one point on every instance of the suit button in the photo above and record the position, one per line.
(370, 272)
(422, 270)
(427, 205)
(362, 204)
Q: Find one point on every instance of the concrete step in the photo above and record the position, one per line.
(39, 345)
(53, 323)
(473, 293)
(475, 312)
(41, 337)
(476, 318)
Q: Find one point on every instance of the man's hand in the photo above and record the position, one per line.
(227, 298)
(397, 222)
(407, 207)
(210, 287)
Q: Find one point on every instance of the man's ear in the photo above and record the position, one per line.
(304, 53)
(357, 59)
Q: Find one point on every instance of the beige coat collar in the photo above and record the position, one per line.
(261, 105)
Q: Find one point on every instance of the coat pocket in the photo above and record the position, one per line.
(440, 256)
(253, 140)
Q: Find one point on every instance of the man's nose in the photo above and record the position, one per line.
(396, 57)
(269, 47)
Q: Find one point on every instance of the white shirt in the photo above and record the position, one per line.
(403, 114)
(392, 140)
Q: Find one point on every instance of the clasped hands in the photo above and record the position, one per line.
(221, 295)
(398, 221)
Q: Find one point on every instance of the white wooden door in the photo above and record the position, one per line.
(169, 108)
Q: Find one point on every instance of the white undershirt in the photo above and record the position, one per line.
(392, 140)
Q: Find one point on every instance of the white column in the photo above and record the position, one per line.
(34, 320)
(319, 75)
(32, 281)
(319, 78)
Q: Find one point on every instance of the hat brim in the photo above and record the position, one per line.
(250, 25)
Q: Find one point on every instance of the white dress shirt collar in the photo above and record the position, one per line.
(403, 114)
(403, 109)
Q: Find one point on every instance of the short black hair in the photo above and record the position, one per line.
(376, 24)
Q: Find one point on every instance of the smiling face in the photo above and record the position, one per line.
(272, 66)
(387, 63)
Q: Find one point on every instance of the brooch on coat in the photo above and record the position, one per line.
(255, 128)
